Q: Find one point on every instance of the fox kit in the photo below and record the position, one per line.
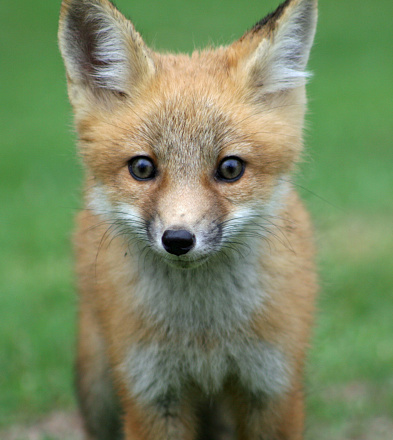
(194, 253)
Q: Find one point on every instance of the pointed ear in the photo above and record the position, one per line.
(103, 54)
(276, 50)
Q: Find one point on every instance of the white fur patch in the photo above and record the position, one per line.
(155, 371)
(114, 71)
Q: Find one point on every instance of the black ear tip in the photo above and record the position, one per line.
(270, 18)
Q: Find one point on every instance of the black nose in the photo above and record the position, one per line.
(178, 241)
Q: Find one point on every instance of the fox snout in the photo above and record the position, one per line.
(192, 236)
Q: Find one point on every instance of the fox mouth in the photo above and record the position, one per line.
(182, 263)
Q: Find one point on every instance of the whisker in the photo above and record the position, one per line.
(314, 194)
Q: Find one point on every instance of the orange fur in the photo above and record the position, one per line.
(162, 354)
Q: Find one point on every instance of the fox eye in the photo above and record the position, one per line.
(142, 168)
(230, 169)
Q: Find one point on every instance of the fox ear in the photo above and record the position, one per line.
(277, 48)
(103, 54)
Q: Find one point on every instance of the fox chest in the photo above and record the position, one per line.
(189, 304)
(155, 372)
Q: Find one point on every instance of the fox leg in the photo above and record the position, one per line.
(271, 419)
(166, 420)
(96, 395)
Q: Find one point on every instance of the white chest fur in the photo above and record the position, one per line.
(217, 304)
(157, 371)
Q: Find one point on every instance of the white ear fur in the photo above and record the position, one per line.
(101, 49)
(280, 59)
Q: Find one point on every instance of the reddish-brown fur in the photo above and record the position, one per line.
(166, 112)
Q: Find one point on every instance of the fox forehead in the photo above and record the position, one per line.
(186, 127)
(197, 104)
(190, 105)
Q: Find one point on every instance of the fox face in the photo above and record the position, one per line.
(188, 157)
(188, 185)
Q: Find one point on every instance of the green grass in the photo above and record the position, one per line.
(349, 165)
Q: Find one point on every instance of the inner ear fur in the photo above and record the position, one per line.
(102, 51)
(273, 54)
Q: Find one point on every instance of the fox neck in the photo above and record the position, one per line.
(216, 297)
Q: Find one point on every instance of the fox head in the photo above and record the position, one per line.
(187, 155)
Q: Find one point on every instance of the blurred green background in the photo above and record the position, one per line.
(347, 182)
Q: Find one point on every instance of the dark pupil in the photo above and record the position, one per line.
(142, 168)
(230, 169)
